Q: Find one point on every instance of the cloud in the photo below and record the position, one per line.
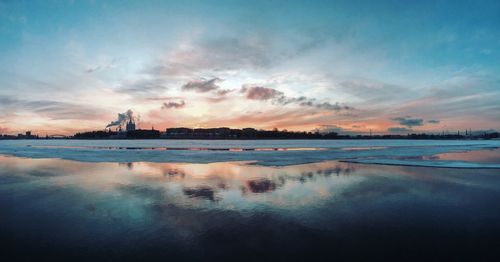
(210, 87)
(202, 85)
(292, 118)
(278, 97)
(215, 54)
(459, 100)
(103, 66)
(61, 110)
(326, 105)
(8, 101)
(3, 130)
(143, 86)
(238, 52)
(220, 95)
(398, 129)
(408, 121)
(201, 192)
(172, 104)
(54, 110)
(162, 98)
(223, 92)
(433, 121)
(261, 93)
(262, 185)
(201, 52)
(372, 91)
(92, 69)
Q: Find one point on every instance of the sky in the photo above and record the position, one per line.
(344, 66)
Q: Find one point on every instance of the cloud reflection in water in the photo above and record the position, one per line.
(153, 210)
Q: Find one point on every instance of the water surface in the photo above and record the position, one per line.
(487, 156)
(54, 208)
(264, 152)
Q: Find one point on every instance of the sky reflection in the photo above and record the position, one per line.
(194, 211)
(229, 183)
(487, 156)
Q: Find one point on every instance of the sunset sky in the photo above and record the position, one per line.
(345, 66)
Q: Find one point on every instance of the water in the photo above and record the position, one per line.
(479, 156)
(265, 152)
(73, 210)
(186, 143)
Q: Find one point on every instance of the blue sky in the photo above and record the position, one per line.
(347, 66)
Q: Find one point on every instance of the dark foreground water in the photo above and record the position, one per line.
(59, 209)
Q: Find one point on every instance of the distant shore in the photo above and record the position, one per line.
(224, 133)
(274, 138)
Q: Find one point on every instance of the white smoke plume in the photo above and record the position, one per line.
(122, 119)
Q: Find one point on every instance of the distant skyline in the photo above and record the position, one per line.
(343, 66)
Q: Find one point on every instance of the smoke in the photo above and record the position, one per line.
(122, 119)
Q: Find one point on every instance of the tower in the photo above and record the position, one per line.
(130, 125)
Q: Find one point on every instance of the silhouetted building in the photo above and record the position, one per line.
(143, 134)
(251, 133)
(27, 135)
(130, 125)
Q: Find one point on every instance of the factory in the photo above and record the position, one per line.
(124, 126)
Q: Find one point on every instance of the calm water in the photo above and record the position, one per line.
(479, 156)
(53, 208)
